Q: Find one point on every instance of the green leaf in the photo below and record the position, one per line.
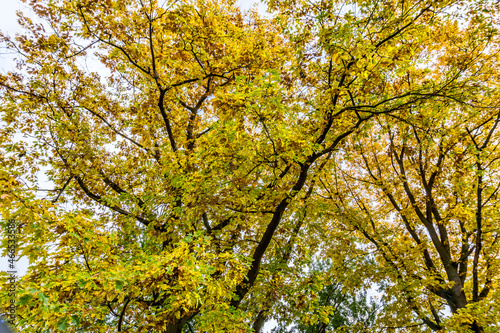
(25, 299)
(42, 297)
(62, 324)
(119, 284)
(75, 320)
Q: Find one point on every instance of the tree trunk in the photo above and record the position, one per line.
(178, 324)
(259, 321)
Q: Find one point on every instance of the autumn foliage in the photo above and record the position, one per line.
(202, 159)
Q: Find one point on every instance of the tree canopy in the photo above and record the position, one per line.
(203, 159)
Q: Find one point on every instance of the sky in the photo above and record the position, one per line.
(9, 26)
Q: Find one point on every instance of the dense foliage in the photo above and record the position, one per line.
(204, 159)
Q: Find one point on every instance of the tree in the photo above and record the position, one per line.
(185, 167)
(426, 198)
(331, 308)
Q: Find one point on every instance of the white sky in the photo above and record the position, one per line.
(9, 26)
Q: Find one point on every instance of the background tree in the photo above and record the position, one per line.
(328, 308)
(185, 166)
